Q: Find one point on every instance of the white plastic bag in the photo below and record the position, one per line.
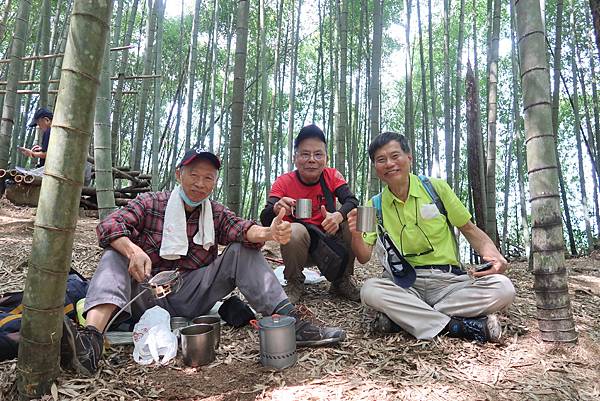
(152, 337)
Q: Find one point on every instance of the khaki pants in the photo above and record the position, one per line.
(424, 309)
(295, 253)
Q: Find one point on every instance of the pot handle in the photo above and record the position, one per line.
(254, 323)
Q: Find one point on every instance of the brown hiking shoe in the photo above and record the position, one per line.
(345, 288)
(294, 290)
(313, 332)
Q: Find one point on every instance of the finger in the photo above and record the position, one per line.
(323, 211)
(147, 268)
(280, 216)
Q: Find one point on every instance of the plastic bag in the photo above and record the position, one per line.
(152, 337)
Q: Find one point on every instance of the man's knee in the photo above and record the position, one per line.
(370, 292)
(506, 291)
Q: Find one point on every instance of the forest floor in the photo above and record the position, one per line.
(365, 367)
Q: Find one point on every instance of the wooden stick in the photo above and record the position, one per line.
(55, 81)
(32, 92)
(47, 56)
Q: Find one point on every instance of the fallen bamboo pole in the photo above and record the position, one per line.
(18, 178)
(12, 172)
(31, 179)
(32, 92)
(55, 81)
(48, 56)
(3, 172)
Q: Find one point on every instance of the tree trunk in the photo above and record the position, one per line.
(595, 7)
(138, 142)
(7, 9)
(15, 71)
(57, 210)
(457, 94)
(342, 122)
(118, 98)
(554, 315)
(264, 111)
(374, 93)
(292, 106)
(102, 142)
(427, 165)
(45, 49)
(475, 159)
(518, 133)
(409, 114)
(237, 109)
(447, 117)
(491, 223)
(577, 129)
(155, 150)
(434, 137)
(192, 74)
(116, 35)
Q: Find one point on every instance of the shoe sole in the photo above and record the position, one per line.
(321, 343)
(73, 362)
(493, 321)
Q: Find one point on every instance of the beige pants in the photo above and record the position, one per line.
(295, 253)
(424, 309)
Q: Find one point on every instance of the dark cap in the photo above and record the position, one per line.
(199, 153)
(310, 131)
(40, 113)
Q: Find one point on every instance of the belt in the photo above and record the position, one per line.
(445, 268)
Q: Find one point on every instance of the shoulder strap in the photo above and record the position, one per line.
(440, 205)
(327, 193)
(433, 194)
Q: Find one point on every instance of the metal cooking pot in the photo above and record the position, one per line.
(277, 341)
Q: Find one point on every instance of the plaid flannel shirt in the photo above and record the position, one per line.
(141, 220)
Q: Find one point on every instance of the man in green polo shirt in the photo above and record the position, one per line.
(430, 294)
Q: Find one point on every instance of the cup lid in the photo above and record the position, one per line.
(276, 321)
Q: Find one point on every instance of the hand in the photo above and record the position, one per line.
(25, 151)
(36, 148)
(332, 221)
(140, 266)
(285, 203)
(281, 231)
(499, 266)
(352, 217)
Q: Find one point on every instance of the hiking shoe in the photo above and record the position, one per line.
(481, 329)
(383, 324)
(310, 332)
(80, 348)
(294, 290)
(345, 288)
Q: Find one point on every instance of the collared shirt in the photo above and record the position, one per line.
(410, 224)
(141, 220)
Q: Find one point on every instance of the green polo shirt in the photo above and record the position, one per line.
(410, 224)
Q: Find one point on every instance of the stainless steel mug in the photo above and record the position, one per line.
(178, 323)
(303, 209)
(198, 344)
(277, 341)
(214, 321)
(366, 219)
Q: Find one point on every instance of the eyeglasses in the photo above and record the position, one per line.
(306, 156)
(409, 255)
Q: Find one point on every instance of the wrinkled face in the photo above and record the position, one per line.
(44, 123)
(310, 159)
(197, 179)
(392, 164)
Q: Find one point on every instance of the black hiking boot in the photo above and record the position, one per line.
(481, 329)
(80, 348)
(310, 332)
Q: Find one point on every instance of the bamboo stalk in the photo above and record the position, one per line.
(55, 81)
(12, 172)
(3, 172)
(18, 178)
(32, 179)
(32, 92)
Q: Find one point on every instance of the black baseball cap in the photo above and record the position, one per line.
(309, 131)
(197, 153)
(40, 113)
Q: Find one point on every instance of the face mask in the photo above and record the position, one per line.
(187, 200)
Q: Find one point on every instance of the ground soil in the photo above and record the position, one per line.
(366, 366)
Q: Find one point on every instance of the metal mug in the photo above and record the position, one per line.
(365, 219)
(303, 209)
(214, 321)
(198, 344)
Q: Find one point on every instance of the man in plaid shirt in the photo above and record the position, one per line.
(132, 238)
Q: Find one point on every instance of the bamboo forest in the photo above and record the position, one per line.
(305, 130)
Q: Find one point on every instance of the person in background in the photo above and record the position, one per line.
(43, 120)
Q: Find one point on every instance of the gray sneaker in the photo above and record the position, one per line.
(312, 332)
(345, 288)
(383, 324)
(294, 290)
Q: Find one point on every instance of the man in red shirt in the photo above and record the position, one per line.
(310, 159)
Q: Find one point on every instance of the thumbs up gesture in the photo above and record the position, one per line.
(281, 231)
(332, 221)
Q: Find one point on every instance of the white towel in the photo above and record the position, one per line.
(174, 238)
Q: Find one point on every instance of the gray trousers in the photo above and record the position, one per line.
(237, 266)
(296, 257)
(424, 309)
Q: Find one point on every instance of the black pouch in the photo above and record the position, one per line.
(328, 252)
(235, 312)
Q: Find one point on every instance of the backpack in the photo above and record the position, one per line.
(435, 198)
